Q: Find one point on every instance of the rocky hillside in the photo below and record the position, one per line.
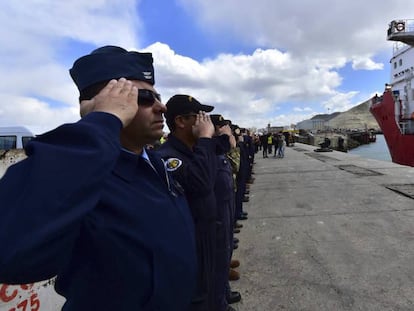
(357, 117)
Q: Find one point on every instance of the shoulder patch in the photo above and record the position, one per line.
(173, 164)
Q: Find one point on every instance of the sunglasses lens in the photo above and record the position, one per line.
(147, 97)
(157, 96)
(144, 101)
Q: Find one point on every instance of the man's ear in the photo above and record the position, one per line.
(179, 122)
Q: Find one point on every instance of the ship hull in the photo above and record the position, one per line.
(401, 147)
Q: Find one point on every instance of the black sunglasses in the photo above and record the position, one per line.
(147, 97)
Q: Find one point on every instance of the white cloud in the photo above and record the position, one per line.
(339, 102)
(32, 36)
(366, 63)
(302, 49)
(299, 109)
(245, 86)
(32, 23)
(34, 114)
(319, 28)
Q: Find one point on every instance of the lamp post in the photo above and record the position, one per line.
(327, 123)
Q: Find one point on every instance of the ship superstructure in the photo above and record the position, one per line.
(394, 110)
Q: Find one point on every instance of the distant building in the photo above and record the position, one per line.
(318, 122)
(272, 129)
(306, 125)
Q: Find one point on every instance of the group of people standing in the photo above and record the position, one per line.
(274, 143)
(123, 227)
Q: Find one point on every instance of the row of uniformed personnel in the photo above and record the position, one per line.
(119, 227)
(203, 159)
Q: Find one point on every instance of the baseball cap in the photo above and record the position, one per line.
(184, 104)
(218, 120)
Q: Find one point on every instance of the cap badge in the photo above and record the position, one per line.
(147, 75)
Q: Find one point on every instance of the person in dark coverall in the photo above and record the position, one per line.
(224, 194)
(263, 140)
(242, 178)
(233, 156)
(190, 155)
(248, 140)
(92, 206)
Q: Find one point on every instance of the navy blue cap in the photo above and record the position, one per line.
(182, 104)
(112, 62)
(218, 120)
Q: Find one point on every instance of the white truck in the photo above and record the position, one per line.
(14, 137)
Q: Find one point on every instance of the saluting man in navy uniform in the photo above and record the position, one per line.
(190, 155)
(224, 192)
(92, 206)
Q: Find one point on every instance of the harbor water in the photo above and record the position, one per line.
(377, 150)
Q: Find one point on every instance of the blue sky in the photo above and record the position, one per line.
(257, 62)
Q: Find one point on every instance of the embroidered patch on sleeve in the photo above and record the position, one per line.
(172, 164)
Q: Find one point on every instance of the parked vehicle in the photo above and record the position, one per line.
(14, 137)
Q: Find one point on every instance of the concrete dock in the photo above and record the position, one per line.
(327, 231)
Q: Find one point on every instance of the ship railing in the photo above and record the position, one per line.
(406, 126)
(401, 31)
(403, 127)
(400, 26)
(398, 47)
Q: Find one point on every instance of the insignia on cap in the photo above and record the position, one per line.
(190, 98)
(147, 75)
(173, 164)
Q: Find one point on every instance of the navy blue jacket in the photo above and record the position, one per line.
(196, 173)
(116, 232)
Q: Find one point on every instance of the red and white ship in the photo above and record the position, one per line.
(394, 110)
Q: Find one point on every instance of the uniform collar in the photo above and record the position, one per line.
(130, 165)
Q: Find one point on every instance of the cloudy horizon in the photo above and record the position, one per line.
(257, 62)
